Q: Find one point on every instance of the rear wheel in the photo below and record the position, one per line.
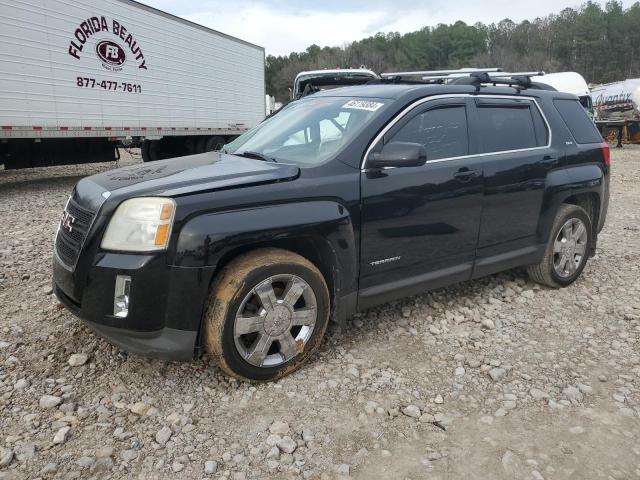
(568, 249)
(267, 313)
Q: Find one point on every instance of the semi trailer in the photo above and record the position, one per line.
(78, 78)
(617, 110)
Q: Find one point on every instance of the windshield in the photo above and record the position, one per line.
(308, 132)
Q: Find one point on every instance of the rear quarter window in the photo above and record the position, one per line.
(509, 126)
(577, 121)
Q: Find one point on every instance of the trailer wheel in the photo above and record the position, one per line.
(144, 151)
(201, 144)
(153, 150)
(214, 144)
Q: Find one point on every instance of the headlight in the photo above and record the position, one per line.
(140, 225)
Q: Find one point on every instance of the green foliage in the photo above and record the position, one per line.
(601, 44)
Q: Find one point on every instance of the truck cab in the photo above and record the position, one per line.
(313, 81)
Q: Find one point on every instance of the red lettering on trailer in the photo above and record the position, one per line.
(37, 128)
(6, 127)
(87, 129)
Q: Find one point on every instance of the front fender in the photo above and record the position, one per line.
(206, 239)
(564, 183)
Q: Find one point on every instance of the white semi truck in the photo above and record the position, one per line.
(77, 77)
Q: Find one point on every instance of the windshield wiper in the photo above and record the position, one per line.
(256, 155)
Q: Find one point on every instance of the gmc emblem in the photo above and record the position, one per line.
(67, 220)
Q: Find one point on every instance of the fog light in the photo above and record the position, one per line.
(121, 296)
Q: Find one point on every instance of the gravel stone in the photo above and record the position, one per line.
(411, 411)
(25, 451)
(21, 384)
(488, 324)
(104, 452)
(140, 408)
(497, 374)
(6, 455)
(210, 467)
(572, 393)
(86, 462)
(538, 394)
(49, 469)
(279, 428)
(129, 455)
(61, 435)
(78, 359)
(343, 469)
(50, 401)
(287, 445)
(163, 435)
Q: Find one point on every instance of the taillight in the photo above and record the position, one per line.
(606, 153)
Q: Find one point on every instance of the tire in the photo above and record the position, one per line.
(144, 150)
(190, 145)
(547, 271)
(200, 145)
(233, 295)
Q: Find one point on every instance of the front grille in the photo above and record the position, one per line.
(72, 232)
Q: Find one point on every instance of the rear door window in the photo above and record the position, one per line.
(443, 131)
(505, 125)
(578, 122)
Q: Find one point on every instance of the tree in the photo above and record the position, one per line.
(601, 44)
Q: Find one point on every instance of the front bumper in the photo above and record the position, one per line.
(165, 308)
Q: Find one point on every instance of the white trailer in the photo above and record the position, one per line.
(617, 107)
(77, 76)
(618, 100)
(569, 82)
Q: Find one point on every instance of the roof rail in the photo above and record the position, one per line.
(465, 76)
(439, 73)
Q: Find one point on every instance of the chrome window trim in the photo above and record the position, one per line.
(424, 100)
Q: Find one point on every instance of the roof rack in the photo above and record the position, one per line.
(465, 76)
(439, 73)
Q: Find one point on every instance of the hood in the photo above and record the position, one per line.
(183, 175)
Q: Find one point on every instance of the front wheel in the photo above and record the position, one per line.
(567, 251)
(268, 311)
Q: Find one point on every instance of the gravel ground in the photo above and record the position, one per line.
(495, 378)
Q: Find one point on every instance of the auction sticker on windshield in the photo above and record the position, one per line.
(367, 105)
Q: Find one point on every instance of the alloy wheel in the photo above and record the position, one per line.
(569, 247)
(275, 320)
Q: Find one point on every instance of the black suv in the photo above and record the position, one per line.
(343, 200)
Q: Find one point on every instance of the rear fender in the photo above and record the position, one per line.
(562, 184)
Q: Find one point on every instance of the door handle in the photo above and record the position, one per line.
(548, 162)
(464, 174)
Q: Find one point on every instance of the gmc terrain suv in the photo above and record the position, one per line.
(343, 200)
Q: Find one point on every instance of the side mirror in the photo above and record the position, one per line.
(398, 154)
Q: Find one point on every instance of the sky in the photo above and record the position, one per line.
(284, 26)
